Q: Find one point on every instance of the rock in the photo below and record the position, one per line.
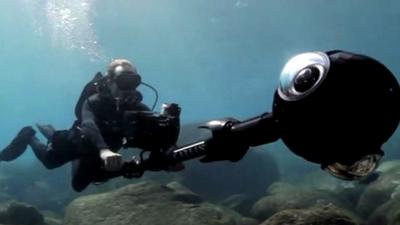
(21, 214)
(52, 218)
(349, 191)
(182, 194)
(239, 203)
(386, 214)
(283, 196)
(386, 186)
(145, 203)
(35, 185)
(249, 221)
(317, 215)
(44, 196)
(52, 221)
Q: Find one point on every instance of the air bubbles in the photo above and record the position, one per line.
(68, 23)
(241, 4)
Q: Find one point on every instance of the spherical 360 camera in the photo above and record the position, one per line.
(337, 109)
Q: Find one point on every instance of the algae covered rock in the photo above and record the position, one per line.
(182, 194)
(283, 196)
(52, 221)
(385, 187)
(52, 218)
(35, 185)
(21, 214)
(317, 215)
(249, 221)
(386, 214)
(146, 203)
(239, 203)
(347, 190)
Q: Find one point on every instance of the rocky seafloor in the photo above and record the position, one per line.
(318, 200)
(253, 191)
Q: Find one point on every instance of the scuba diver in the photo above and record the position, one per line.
(332, 108)
(110, 116)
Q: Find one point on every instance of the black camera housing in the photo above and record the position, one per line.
(351, 114)
(151, 131)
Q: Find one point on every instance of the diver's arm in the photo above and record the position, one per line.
(112, 161)
(90, 129)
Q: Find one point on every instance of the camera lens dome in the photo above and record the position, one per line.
(302, 75)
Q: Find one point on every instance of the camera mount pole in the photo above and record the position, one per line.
(230, 136)
(230, 140)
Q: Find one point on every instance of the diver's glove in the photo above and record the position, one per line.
(112, 161)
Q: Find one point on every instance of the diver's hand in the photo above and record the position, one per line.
(112, 161)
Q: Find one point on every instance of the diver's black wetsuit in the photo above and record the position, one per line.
(100, 125)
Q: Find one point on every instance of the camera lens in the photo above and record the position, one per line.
(302, 75)
(306, 79)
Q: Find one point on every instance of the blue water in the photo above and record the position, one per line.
(215, 58)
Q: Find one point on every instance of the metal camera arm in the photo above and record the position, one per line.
(230, 140)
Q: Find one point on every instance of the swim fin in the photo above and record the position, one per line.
(18, 145)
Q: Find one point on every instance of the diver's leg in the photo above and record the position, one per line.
(59, 151)
(41, 152)
(18, 145)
